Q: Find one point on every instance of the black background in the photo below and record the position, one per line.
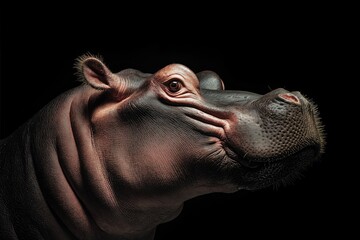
(297, 50)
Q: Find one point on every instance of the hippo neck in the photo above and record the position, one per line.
(71, 176)
(41, 170)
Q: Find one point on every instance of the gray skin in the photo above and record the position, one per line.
(118, 155)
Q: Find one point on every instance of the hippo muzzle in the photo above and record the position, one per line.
(272, 136)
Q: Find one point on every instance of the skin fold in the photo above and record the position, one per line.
(118, 155)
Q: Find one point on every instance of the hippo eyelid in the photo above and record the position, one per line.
(174, 79)
(175, 76)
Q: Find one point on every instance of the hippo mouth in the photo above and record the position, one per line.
(257, 174)
(251, 163)
(313, 152)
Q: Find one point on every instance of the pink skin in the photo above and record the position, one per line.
(119, 155)
(100, 187)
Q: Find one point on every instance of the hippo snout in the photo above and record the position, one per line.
(276, 135)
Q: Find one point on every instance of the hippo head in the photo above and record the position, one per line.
(167, 137)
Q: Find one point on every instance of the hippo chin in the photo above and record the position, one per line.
(118, 155)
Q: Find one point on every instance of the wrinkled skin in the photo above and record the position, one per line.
(115, 157)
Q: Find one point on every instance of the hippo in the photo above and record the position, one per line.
(120, 154)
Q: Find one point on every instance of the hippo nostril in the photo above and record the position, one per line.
(289, 97)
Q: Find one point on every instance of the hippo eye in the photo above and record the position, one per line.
(174, 85)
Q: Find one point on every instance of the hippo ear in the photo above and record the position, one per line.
(210, 80)
(94, 72)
